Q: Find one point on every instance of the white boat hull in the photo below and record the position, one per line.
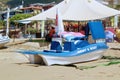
(52, 60)
(4, 40)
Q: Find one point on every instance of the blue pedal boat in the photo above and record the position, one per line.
(73, 51)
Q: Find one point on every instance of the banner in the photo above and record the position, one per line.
(59, 23)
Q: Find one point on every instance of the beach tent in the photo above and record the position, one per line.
(78, 10)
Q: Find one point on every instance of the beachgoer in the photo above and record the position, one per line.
(52, 31)
(50, 34)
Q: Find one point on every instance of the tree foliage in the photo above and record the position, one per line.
(2, 23)
(20, 17)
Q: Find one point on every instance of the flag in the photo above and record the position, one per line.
(59, 23)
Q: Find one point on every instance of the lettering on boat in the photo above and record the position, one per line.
(94, 47)
(87, 49)
(81, 51)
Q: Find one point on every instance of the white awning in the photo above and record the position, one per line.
(78, 10)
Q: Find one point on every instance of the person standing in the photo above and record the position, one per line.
(50, 34)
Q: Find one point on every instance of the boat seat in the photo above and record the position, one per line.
(81, 43)
(69, 46)
(55, 45)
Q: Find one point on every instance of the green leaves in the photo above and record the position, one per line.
(2, 23)
(20, 17)
(31, 30)
(112, 63)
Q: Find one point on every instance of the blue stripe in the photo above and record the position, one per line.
(85, 50)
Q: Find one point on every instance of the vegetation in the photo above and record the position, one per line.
(117, 6)
(2, 23)
(20, 17)
(1, 27)
(31, 30)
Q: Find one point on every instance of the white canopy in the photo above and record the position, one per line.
(78, 10)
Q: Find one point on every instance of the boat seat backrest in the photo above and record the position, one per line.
(69, 46)
(81, 43)
(97, 31)
(55, 45)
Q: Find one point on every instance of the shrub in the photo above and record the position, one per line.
(31, 30)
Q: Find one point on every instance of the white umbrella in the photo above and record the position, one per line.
(78, 10)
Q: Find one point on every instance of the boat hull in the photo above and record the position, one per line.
(52, 60)
(87, 53)
(4, 40)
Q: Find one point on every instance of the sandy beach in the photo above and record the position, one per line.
(15, 66)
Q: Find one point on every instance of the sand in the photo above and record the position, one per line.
(15, 66)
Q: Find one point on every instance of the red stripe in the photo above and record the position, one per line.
(56, 19)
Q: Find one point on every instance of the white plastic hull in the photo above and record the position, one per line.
(4, 41)
(51, 60)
